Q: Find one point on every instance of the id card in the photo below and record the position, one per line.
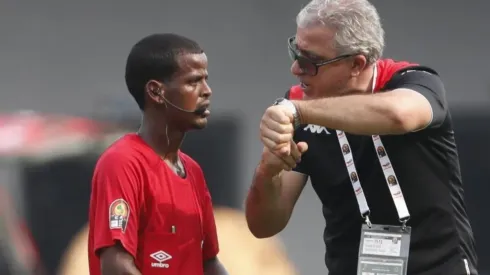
(383, 250)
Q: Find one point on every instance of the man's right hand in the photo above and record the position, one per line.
(273, 163)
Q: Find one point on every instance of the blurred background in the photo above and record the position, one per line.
(63, 100)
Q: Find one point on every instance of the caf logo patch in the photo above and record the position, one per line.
(119, 215)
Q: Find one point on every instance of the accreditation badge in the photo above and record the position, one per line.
(384, 250)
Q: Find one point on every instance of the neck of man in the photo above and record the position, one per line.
(164, 138)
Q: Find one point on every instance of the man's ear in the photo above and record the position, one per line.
(155, 91)
(359, 63)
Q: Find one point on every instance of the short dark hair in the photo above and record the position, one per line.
(155, 57)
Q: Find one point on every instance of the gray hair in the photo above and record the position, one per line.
(356, 24)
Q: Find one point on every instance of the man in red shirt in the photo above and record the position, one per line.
(150, 209)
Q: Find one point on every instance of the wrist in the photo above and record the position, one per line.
(298, 104)
(267, 171)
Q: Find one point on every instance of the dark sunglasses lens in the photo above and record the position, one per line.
(307, 66)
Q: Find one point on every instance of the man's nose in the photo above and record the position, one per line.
(296, 69)
(207, 92)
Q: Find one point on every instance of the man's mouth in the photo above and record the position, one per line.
(203, 110)
(303, 85)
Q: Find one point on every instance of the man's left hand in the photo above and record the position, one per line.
(276, 130)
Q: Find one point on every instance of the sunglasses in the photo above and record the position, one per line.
(308, 66)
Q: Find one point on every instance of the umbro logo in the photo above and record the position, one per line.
(161, 257)
(316, 129)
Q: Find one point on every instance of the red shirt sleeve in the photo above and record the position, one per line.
(116, 202)
(211, 245)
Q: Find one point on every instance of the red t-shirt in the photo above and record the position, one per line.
(165, 222)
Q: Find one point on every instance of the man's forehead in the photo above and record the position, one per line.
(193, 60)
(315, 40)
(195, 63)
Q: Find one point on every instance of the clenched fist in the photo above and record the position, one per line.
(276, 133)
(276, 129)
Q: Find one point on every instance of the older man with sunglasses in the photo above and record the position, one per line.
(383, 121)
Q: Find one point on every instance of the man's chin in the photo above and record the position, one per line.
(200, 123)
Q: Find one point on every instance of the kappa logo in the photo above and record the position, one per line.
(161, 257)
(316, 129)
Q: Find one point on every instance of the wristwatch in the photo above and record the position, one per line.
(285, 102)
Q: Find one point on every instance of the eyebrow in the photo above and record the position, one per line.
(308, 54)
(198, 76)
